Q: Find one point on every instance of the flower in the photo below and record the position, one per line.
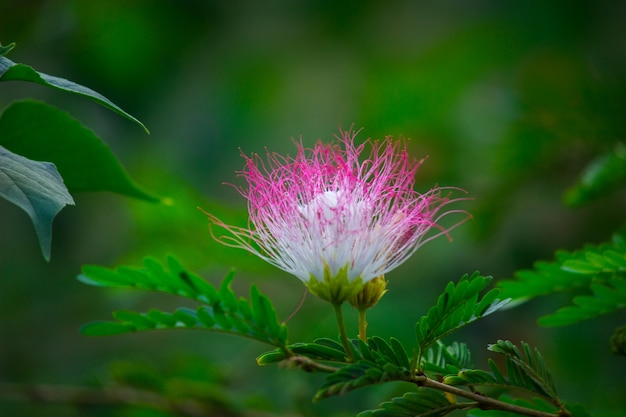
(332, 220)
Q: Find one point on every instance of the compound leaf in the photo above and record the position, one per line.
(220, 310)
(601, 269)
(605, 298)
(458, 306)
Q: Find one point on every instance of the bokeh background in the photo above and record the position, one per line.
(509, 100)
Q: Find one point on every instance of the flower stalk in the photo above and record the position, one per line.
(343, 334)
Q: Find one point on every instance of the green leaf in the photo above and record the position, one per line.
(458, 306)
(320, 349)
(444, 360)
(42, 132)
(360, 374)
(526, 376)
(601, 270)
(423, 402)
(526, 368)
(378, 361)
(11, 71)
(569, 271)
(603, 175)
(35, 187)
(606, 298)
(220, 311)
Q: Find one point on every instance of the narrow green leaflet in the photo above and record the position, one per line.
(444, 360)
(605, 298)
(320, 349)
(38, 131)
(377, 362)
(35, 187)
(423, 402)
(527, 363)
(220, 310)
(11, 71)
(458, 306)
(361, 374)
(525, 370)
(570, 270)
(601, 269)
(603, 175)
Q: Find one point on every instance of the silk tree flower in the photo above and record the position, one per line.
(336, 220)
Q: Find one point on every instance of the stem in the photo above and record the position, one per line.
(342, 332)
(310, 365)
(363, 324)
(485, 402)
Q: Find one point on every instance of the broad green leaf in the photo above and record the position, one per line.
(35, 187)
(11, 71)
(43, 132)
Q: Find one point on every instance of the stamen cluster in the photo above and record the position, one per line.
(334, 219)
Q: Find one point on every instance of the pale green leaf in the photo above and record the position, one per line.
(35, 187)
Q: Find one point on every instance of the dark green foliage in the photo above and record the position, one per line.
(220, 311)
(601, 269)
(423, 402)
(458, 306)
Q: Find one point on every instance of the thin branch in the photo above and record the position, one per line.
(485, 402)
(309, 364)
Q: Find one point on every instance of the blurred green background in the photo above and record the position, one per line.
(510, 100)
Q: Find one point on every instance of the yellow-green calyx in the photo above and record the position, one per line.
(335, 288)
(371, 293)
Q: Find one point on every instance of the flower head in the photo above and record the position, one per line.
(334, 220)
